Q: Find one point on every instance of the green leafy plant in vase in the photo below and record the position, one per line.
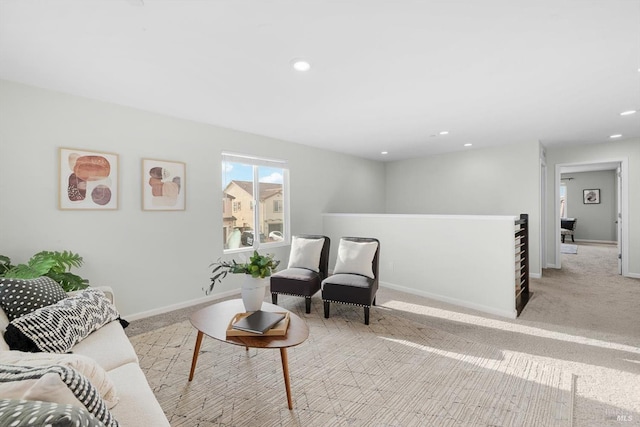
(258, 268)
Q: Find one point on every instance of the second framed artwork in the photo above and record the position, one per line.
(163, 185)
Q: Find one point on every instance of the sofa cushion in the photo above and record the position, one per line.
(83, 364)
(22, 296)
(29, 413)
(44, 383)
(305, 253)
(356, 258)
(109, 346)
(58, 327)
(136, 397)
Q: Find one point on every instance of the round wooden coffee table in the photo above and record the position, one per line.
(213, 321)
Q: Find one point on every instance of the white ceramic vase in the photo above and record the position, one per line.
(253, 291)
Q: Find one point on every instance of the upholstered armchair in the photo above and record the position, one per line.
(355, 278)
(567, 228)
(308, 267)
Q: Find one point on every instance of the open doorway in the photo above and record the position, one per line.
(613, 227)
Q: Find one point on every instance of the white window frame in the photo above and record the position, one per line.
(257, 162)
(563, 214)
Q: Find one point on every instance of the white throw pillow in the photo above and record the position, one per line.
(47, 388)
(83, 364)
(54, 383)
(356, 258)
(305, 253)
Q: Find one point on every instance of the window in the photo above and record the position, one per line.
(563, 200)
(258, 191)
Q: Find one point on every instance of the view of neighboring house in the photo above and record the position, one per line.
(239, 205)
(228, 219)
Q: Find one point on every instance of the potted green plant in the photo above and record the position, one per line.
(257, 271)
(53, 264)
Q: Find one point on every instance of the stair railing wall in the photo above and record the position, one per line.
(522, 262)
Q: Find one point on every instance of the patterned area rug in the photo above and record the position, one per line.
(566, 248)
(393, 372)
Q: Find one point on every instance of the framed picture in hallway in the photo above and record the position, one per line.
(163, 185)
(591, 197)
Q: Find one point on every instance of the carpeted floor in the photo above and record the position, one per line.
(435, 368)
(394, 372)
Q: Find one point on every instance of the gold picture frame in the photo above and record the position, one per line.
(88, 180)
(163, 185)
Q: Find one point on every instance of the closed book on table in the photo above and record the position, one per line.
(259, 321)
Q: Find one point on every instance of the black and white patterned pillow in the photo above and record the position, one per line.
(58, 327)
(22, 296)
(77, 383)
(30, 413)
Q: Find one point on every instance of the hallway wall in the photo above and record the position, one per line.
(596, 222)
(598, 153)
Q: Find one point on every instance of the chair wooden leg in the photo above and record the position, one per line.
(366, 315)
(274, 298)
(572, 239)
(326, 309)
(374, 300)
(307, 304)
(562, 237)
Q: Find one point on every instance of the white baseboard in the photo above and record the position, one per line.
(535, 275)
(184, 304)
(604, 242)
(633, 275)
(491, 310)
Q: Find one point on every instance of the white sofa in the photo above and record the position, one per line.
(111, 349)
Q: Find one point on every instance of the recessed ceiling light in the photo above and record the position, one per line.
(444, 132)
(617, 135)
(384, 152)
(300, 64)
(468, 144)
(628, 113)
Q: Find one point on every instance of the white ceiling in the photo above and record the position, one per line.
(386, 74)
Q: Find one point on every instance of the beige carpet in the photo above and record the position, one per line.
(394, 372)
(582, 319)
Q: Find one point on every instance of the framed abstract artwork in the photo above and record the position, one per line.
(591, 197)
(163, 185)
(88, 179)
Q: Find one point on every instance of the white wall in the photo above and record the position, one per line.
(151, 259)
(501, 180)
(594, 153)
(156, 259)
(596, 222)
(464, 260)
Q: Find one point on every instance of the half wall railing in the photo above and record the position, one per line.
(522, 262)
